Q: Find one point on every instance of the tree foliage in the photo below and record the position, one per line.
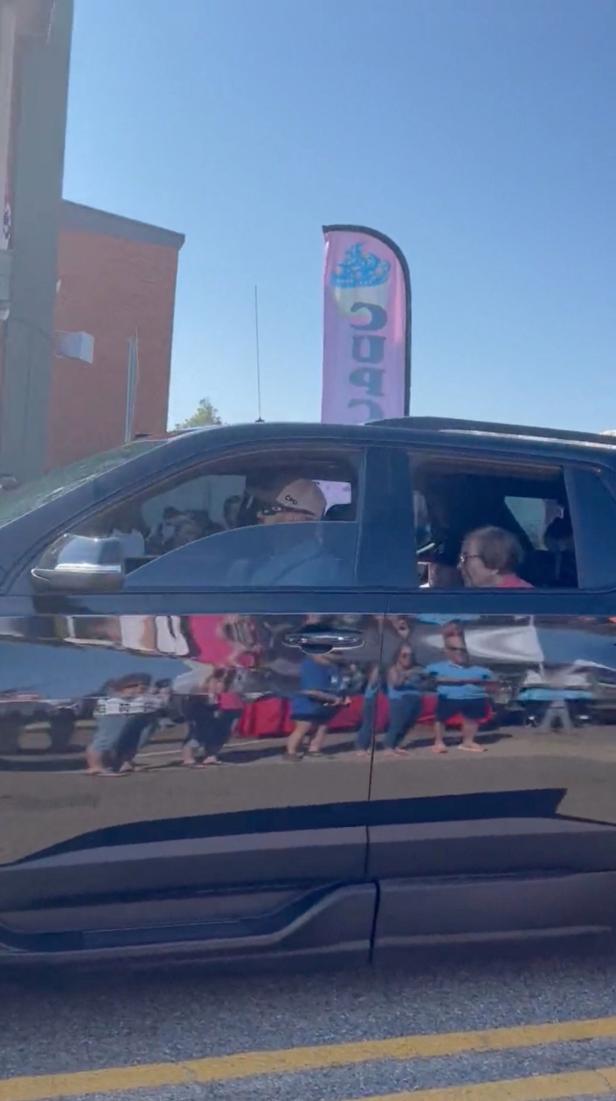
(205, 413)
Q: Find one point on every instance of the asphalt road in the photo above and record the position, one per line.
(62, 1022)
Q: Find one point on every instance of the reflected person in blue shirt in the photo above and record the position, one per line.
(462, 690)
(405, 685)
(315, 704)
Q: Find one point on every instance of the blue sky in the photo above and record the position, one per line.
(480, 134)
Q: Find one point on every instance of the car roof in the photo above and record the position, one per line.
(534, 433)
(545, 442)
(169, 454)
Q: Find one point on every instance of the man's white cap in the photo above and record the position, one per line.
(302, 495)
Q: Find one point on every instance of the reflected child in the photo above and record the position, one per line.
(319, 699)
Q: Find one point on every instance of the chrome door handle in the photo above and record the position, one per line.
(324, 639)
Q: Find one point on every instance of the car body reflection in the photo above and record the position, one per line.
(154, 694)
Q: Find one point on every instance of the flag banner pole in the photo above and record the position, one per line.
(366, 327)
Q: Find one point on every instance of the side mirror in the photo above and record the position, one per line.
(81, 563)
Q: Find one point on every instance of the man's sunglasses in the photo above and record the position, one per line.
(275, 509)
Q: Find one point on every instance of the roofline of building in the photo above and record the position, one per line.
(87, 219)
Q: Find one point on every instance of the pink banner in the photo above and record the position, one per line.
(367, 327)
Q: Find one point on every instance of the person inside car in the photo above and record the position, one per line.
(159, 539)
(490, 558)
(178, 529)
(231, 511)
(441, 569)
(290, 561)
(559, 542)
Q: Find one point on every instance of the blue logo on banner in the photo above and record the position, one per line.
(360, 269)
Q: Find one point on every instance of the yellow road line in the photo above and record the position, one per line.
(249, 1064)
(545, 1087)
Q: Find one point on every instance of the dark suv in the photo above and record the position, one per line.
(301, 690)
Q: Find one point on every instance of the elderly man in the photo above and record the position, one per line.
(293, 558)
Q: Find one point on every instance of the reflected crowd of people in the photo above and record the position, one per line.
(236, 681)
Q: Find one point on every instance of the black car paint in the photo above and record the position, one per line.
(504, 842)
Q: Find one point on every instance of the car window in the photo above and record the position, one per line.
(256, 521)
(593, 507)
(534, 515)
(492, 525)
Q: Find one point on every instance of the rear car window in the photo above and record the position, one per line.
(495, 524)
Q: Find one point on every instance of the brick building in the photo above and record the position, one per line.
(116, 277)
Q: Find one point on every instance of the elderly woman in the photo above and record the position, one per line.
(490, 558)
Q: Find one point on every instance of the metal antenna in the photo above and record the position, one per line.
(258, 355)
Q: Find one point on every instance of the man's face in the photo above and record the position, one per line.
(406, 657)
(456, 651)
(300, 501)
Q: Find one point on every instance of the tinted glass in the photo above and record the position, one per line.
(258, 520)
(314, 555)
(534, 515)
(492, 525)
(17, 502)
(594, 522)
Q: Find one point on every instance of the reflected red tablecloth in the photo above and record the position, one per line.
(271, 717)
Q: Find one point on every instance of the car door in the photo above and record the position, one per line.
(183, 692)
(518, 832)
